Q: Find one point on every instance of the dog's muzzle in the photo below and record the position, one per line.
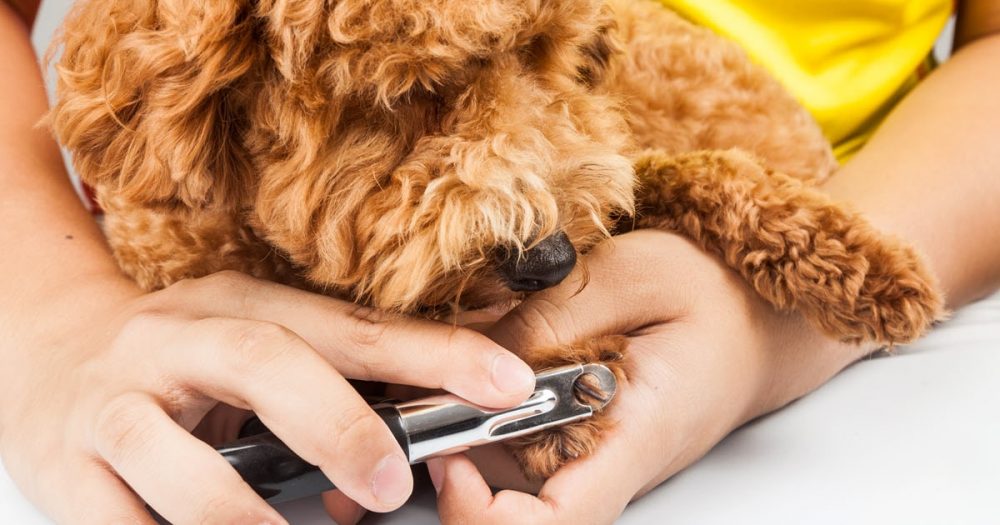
(543, 266)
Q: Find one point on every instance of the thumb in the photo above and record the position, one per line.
(613, 290)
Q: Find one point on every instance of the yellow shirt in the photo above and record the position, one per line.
(847, 61)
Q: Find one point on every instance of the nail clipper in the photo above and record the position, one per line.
(428, 427)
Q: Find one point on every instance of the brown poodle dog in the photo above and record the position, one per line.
(427, 156)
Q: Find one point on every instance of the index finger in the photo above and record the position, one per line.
(300, 398)
(363, 343)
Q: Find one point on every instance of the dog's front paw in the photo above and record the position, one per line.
(541, 455)
(795, 246)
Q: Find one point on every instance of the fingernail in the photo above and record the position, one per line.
(435, 467)
(510, 374)
(391, 484)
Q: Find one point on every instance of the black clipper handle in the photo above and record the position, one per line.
(277, 474)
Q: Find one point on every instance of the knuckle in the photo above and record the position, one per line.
(182, 290)
(240, 288)
(457, 348)
(536, 322)
(139, 325)
(367, 326)
(182, 286)
(225, 282)
(122, 430)
(351, 433)
(226, 278)
(256, 347)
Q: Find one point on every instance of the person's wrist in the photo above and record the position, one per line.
(797, 359)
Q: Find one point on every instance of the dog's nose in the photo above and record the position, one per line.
(543, 266)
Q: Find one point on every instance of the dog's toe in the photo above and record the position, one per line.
(541, 455)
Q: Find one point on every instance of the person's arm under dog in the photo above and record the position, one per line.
(716, 356)
(100, 383)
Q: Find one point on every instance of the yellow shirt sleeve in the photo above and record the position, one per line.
(847, 61)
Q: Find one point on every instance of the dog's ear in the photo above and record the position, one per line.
(151, 95)
(598, 51)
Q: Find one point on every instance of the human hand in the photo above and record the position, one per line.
(706, 356)
(104, 405)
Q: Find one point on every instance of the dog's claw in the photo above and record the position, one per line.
(584, 388)
(595, 387)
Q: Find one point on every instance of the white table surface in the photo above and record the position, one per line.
(913, 438)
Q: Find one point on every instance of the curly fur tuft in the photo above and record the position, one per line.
(385, 149)
(796, 248)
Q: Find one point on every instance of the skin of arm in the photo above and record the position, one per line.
(44, 223)
(976, 19)
(931, 174)
(27, 10)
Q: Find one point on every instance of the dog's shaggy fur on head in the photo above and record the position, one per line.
(386, 151)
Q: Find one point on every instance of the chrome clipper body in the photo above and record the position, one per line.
(429, 427)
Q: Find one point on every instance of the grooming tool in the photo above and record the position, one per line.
(429, 427)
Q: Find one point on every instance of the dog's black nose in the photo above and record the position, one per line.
(543, 266)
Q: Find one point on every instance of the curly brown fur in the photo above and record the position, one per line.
(385, 150)
(796, 248)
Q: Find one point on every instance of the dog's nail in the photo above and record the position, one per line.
(510, 375)
(589, 392)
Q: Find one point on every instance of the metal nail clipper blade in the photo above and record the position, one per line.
(429, 427)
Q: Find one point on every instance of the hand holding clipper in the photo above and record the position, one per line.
(428, 427)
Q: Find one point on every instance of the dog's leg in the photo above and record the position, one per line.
(796, 248)
(540, 455)
(159, 245)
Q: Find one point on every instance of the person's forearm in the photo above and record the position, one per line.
(931, 174)
(50, 242)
